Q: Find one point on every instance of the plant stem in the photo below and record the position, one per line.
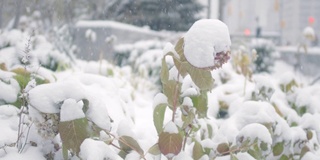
(185, 139)
(175, 98)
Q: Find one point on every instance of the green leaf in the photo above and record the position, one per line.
(128, 143)
(73, 133)
(180, 66)
(309, 134)
(179, 47)
(158, 116)
(284, 157)
(264, 146)
(64, 153)
(85, 105)
(210, 131)
(170, 143)
(164, 74)
(233, 157)
(202, 78)
(201, 104)
(154, 150)
(197, 152)
(278, 148)
(304, 150)
(172, 90)
(188, 120)
(223, 148)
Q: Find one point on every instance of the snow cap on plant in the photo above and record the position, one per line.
(207, 44)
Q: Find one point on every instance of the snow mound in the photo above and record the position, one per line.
(204, 40)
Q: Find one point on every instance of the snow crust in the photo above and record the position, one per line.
(204, 40)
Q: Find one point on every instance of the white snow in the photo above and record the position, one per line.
(160, 98)
(187, 101)
(71, 110)
(92, 150)
(255, 130)
(204, 40)
(170, 127)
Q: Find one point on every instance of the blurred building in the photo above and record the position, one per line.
(295, 16)
(280, 19)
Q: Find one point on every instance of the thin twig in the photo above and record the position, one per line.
(25, 142)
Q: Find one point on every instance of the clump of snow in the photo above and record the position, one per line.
(10, 89)
(160, 98)
(170, 127)
(71, 110)
(260, 132)
(204, 40)
(47, 98)
(92, 150)
(187, 101)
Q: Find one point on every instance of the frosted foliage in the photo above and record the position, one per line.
(204, 40)
(71, 110)
(260, 132)
(50, 95)
(171, 128)
(11, 89)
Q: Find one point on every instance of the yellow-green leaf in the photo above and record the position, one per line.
(278, 148)
(73, 133)
(158, 116)
(172, 90)
(164, 74)
(154, 150)
(202, 78)
(128, 143)
(197, 152)
(201, 104)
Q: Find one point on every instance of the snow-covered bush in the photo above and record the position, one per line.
(144, 57)
(265, 50)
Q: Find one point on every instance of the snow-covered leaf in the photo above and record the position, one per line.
(158, 116)
(73, 133)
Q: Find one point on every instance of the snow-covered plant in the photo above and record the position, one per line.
(185, 86)
(242, 61)
(265, 50)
